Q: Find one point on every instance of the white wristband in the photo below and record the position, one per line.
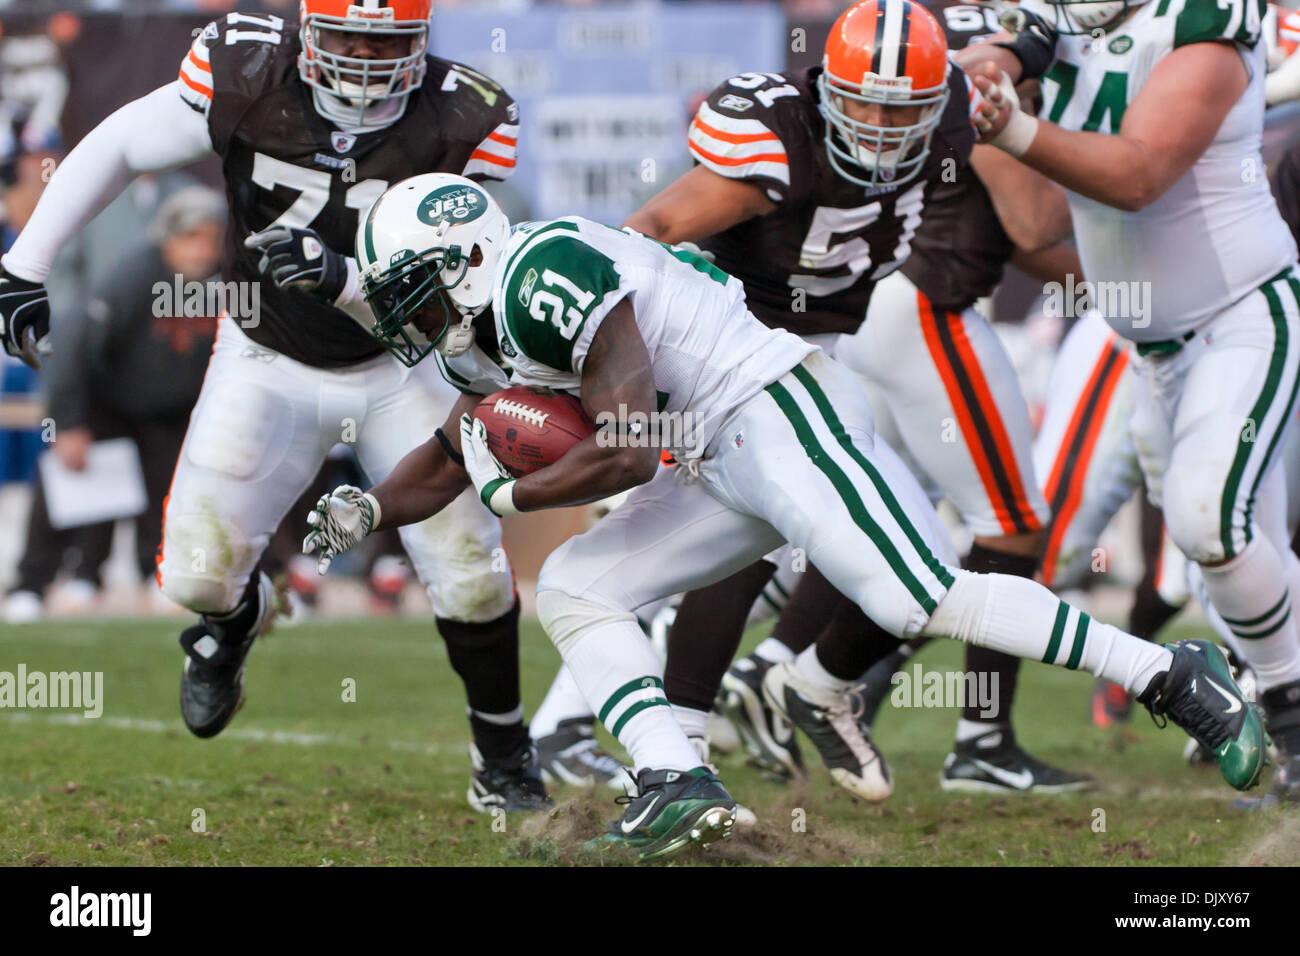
(351, 293)
(503, 499)
(1018, 135)
(376, 514)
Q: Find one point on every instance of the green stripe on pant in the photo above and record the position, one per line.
(849, 496)
(1263, 404)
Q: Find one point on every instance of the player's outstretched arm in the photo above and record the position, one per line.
(1032, 209)
(1052, 264)
(1166, 129)
(156, 132)
(424, 482)
(697, 204)
(429, 477)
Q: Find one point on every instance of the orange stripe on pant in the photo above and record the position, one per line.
(1089, 415)
(1007, 511)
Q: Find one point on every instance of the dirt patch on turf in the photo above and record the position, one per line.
(783, 835)
(1280, 846)
(788, 833)
(558, 836)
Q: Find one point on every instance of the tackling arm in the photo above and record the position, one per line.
(697, 204)
(1032, 209)
(156, 132)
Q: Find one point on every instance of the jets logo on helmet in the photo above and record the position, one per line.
(883, 89)
(363, 58)
(451, 204)
(427, 252)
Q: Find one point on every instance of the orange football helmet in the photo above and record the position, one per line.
(363, 91)
(885, 59)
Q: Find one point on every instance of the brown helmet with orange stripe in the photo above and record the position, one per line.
(883, 89)
(363, 58)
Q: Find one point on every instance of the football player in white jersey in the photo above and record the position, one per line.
(1153, 120)
(311, 121)
(780, 449)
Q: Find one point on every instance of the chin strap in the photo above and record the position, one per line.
(458, 340)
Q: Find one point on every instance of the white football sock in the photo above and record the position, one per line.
(970, 729)
(564, 701)
(1251, 596)
(616, 669)
(773, 651)
(811, 670)
(693, 722)
(1018, 616)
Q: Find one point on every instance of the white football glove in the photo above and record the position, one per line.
(496, 486)
(341, 519)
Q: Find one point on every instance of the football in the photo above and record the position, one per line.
(529, 428)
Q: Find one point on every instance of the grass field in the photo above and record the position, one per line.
(303, 778)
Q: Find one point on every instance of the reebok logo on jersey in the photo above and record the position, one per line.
(526, 287)
(737, 104)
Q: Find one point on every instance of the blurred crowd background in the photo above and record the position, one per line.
(606, 92)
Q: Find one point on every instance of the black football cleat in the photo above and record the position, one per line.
(833, 722)
(1199, 695)
(216, 650)
(572, 756)
(994, 763)
(511, 783)
(767, 737)
(1282, 715)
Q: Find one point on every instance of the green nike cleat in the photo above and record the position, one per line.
(671, 810)
(1199, 695)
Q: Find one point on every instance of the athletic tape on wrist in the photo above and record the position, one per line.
(376, 515)
(1018, 135)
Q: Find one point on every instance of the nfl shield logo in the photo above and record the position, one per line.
(343, 142)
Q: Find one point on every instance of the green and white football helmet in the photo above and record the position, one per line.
(427, 252)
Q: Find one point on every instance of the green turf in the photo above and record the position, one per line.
(303, 778)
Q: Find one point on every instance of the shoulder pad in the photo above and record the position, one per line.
(749, 128)
(489, 115)
(1202, 21)
(233, 59)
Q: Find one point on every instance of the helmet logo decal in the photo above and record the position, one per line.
(451, 205)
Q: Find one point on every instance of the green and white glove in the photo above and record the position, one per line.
(341, 519)
(496, 486)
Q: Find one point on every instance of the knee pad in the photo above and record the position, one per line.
(1194, 520)
(462, 564)
(472, 595)
(567, 619)
(205, 562)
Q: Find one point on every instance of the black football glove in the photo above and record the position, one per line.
(298, 259)
(1035, 40)
(24, 318)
